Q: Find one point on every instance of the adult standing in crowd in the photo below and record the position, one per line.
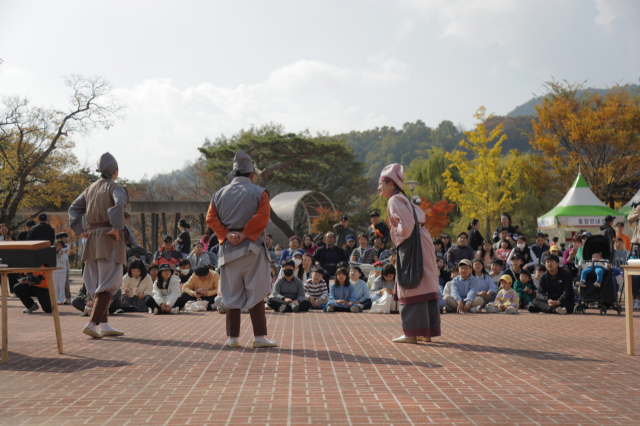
(461, 251)
(22, 236)
(239, 214)
(607, 229)
(419, 305)
(475, 237)
(329, 256)
(378, 228)
(183, 242)
(104, 255)
(42, 231)
(505, 223)
(342, 230)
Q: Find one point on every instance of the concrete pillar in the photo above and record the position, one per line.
(143, 224)
(175, 226)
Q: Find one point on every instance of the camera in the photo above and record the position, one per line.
(30, 279)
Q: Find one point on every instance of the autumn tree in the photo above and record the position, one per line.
(289, 161)
(436, 215)
(325, 220)
(486, 189)
(37, 167)
(595, 132)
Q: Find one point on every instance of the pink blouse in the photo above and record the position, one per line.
(402, 223)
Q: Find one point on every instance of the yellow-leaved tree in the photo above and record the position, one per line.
(487, 187)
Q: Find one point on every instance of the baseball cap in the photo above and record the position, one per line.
(344, 217)
(167, 237)
(554, 248)
(375, 213)
(350, 237)
(506, 278)
(464, 262)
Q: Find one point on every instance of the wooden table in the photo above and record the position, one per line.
(54, 305)
(629, 271)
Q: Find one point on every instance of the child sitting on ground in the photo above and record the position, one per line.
(341, 294)
(597, 265)
(507, 299)
(524, 287)
(315, 289)
(447, 290)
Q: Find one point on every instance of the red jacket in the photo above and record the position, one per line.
(174, 257)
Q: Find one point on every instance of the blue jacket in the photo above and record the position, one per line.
(486, 283)
(464, 290)
(346, 293)
(361, 291)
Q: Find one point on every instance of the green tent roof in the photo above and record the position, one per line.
(580, 207)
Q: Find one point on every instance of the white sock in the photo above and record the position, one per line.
(104, 326)
(92, 326)
(262, 339)
(233, 339)
(402, 337)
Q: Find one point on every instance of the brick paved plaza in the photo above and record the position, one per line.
(329, 369)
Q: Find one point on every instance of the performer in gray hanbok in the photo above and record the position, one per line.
(239, 214)
(102, 203)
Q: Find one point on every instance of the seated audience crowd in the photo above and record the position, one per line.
(345, 271)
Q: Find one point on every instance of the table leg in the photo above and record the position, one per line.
(54, 307)
(628, 311)
(5, 329)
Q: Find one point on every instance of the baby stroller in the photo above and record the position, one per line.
(592, 297)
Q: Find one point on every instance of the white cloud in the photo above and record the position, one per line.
(166, 125)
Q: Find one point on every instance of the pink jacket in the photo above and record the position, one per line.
(401, 220)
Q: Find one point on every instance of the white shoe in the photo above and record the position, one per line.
(512, 310)
(635, 304)
(491, 309)
(213, 307)
(222, 310)
(175, 310)
(87, 311)
(560, 310)
(150, 310)
(473, 310)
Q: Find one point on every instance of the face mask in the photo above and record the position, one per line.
(297, 262)
(288, 272)
(279, 253)
(521, 246)
(184, 271)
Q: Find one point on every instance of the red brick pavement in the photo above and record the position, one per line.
(332, 369)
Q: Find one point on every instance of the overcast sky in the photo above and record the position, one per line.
(192, 69)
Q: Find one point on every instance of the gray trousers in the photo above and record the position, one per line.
(246, 281)
(103, 276)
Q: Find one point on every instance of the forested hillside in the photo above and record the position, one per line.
(528, 108)
(381, 146)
